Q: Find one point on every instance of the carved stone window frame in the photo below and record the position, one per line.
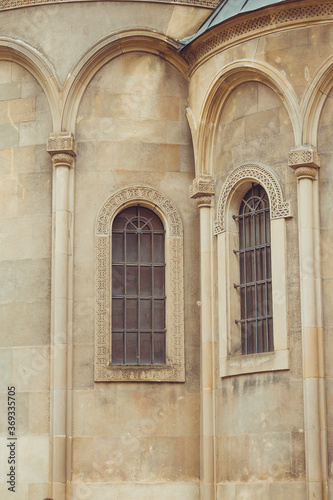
(232, 362)
(174, 369)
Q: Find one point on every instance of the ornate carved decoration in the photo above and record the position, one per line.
(15, 4)
(62, 159)
(174, 370)
(305, 162)
(137, 193)
(258, 173)
(62, 148)
(234, 29)
(202, 191)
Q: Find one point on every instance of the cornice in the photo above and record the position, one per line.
(17, 4)
(246, 26)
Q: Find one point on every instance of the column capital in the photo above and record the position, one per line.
(305, 161)
(62, 147)
(202, 190)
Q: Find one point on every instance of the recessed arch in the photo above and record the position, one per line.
(225, 82)
(314, 100)
(104, 51)
(21, 53)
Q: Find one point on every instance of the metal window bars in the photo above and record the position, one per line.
(255, 285)
(138, 288)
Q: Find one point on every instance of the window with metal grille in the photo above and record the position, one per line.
(255, 285)
(138, 288)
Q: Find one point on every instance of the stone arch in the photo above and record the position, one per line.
(174, 369)
(28, 57)
(226, 82)
(104, 51)
(251, 172)
(314, 100)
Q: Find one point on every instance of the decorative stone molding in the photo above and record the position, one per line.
(300, 12)
(260, 174)
(174, 369)
(62, 148)
(16, 4)
(305, 162)
(202, 191)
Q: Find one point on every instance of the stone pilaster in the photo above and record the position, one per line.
(202, 190)
(305, 161)
(62, 149)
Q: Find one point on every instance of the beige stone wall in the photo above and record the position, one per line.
(132, 129)
(25, 263)
(71, 29)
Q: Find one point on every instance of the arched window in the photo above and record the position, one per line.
(255, 285)
(252, 273)
(138, 288)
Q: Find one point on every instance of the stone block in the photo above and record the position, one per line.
(294, 490)
(83, 458)
(9, 136)
(252, 491)
(39, 413)
(38, 491)
(21, 110)
(164, 157)
(245, 100)
(5, 72)
(117, 155)
(31, 368)
(83, 367)
(262, 124)
(34, 459)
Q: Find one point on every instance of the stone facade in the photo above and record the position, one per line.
(101, 108)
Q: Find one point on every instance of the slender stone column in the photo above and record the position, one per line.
(202, 191)
(62, 149)
(306, 163)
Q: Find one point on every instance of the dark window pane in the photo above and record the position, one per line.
(118, 280)
(131, 247)
(122, 218)
(145, 348)
(117, 348)
(131, 280)
(158, 248)
(118, 247)
(159, 348)
(255, 271)
(159, 281)
(145, 281)
(145, 314)
(145, 247)
(138, 236)
(131, 348)
(159, 315)
(131, 314)
(118, 313)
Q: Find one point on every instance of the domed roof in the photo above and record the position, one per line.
(228, 9)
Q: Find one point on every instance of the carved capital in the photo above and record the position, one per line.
(62, 160)
(62, 148)
(202, 191)
(305, 162)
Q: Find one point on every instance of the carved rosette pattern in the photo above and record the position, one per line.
(260, 174)
(235, 29)
(14, 4)
(174, 370)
